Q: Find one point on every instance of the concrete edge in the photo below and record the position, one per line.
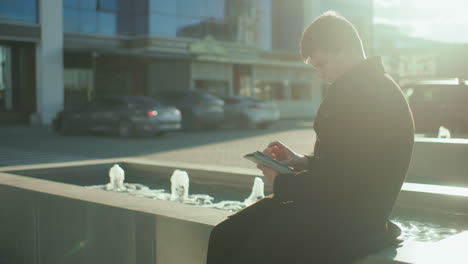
(189, 213)
(142, 161)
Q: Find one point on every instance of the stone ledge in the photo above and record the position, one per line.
(439, 161)
(200, 215)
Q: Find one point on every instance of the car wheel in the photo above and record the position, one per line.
(124, 128)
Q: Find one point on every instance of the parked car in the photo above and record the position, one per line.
(441, 102)
(199, 109)
(247, 112)
(123, 116)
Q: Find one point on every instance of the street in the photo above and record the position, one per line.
(21, 145)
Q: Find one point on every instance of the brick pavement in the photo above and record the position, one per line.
(21, 145)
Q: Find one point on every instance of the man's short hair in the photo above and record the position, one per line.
(330, 32)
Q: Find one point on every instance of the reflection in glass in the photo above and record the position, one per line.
(163, 25)
(6, 90)
(191, 28)
(88, 4)
(163, 6)
(301, 92)
(70, 3)
(218, 88)
(109, 5)
(19, 10)
(78, 86)
(107, 23)
(215, 8)
(192, 8)
(265, 27)
(268, 91)
(70, 20)
(224, 20)
(141, 25)
(88, 21)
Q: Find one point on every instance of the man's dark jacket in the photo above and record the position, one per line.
(337, 210)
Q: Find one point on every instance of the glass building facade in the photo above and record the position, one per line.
(90, 16)
(246, 22)
(288, 23)
(136, 46)
(23, 11)
(220, 19)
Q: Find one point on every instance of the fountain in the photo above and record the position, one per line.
(257, 192)
(411, 229)
(443, 132)
(179, 185)
(117, 177)
(426, 215)
(179, 191)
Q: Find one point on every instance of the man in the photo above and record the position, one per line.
(336, 208)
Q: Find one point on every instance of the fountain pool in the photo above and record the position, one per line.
(213, 189)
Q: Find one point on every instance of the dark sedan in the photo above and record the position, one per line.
(122, 116)
(199, 109)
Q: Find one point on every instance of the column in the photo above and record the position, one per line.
(49, 62)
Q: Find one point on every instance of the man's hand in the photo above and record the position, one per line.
(285, 155)
(268, 173)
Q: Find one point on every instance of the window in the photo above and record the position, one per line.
(193, 8)
(287, 24)
(90, 16)
(215, 8)
(265, 20)
(107, 5)
(70, 3)
(165, 25)
(78, 86)
(200, 18)
(107, 23)
(71, 20)
(191, 28)
(264, 91)
(301, 92)
(24, 11)
(88, 4)
(218, 88)
(88, 21)
(6, 89)
(164, 6)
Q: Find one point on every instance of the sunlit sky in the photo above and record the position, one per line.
(442, 20)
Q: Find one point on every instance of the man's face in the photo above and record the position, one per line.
(327, 65)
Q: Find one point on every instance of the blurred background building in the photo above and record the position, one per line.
(58, 54)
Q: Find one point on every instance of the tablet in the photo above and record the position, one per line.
(259, 157)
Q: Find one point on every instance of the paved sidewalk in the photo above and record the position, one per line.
(21, 145)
